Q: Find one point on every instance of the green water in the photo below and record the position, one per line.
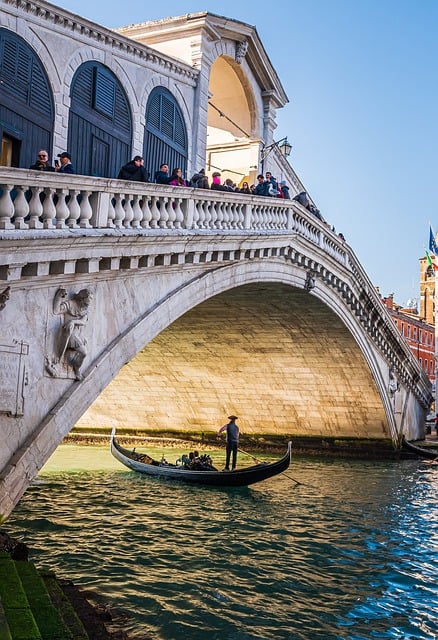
(351, 553)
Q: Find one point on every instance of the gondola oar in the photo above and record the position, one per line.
(260, 462)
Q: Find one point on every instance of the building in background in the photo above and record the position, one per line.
(419, 333)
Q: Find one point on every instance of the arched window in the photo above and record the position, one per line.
(165, 137)
(26, 102)
(100, 122)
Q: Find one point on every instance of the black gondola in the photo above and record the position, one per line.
(238, 478)
(421, 452)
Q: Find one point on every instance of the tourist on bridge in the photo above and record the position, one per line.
(42, 162)
(270, 178)
(216, 182)
(284, 189)
(162, 176)
(232, 442)
(245, 189)
(262, 186)
(176, 179)
(66, 165)
(200, 180)
(134, 170)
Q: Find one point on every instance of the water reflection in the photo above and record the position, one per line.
(350, 553)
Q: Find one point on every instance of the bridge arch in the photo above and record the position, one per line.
(172, 306)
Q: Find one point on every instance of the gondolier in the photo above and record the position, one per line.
(232, 441)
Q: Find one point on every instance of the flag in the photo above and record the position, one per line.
(431, 261)
(432, 243)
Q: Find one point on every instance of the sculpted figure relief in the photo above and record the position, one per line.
(310, 280)
(4, 297)
(72, 343)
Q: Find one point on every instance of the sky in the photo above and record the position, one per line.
(362, 81)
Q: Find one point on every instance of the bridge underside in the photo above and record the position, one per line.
(276, 356)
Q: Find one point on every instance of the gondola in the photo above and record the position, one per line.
(421, 452)
(238, 478)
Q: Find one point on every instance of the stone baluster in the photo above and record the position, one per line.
(6, 207)
(164, 214)
(189, 213)
(111, 216)
(219, 215)
(137, 212)
(155, 213)
(255, 217)
(273, 217)
(49, 209)
(206, 215)
(241, 216)
(199, 215)
(210, 214)
(62, 210)
(171, 213)
(179, 216)
(74, 209)
(35, 209)
(265, 215)
(146, 213)
(247, 214)
(290, 219)
(86, 210)
(21, 209)
(225, 208)
(235, 209)
(119, 214)
(127, 211)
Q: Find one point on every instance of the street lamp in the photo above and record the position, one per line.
(283, 145)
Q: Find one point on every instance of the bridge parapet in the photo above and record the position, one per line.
(31, 200)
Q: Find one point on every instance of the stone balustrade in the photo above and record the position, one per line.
(31, 200)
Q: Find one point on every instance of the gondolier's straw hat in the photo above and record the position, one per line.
(233, 418)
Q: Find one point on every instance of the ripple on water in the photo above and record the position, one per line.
(349, 554)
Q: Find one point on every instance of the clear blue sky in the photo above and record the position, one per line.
(362, 80)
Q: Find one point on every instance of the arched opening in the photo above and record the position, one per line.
(165, 138)
(231, 123)
(100, 122)
(305, 374)
(26, 102)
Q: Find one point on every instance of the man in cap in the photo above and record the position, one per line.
(232, 441)
(66, 165)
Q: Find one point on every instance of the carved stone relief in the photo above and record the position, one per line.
(241, 49)
(309, 284)
(13, 377)
(4, 297)
(70, 343)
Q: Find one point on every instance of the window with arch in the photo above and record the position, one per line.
(165, 138)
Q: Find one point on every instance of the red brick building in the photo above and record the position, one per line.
(419, 334)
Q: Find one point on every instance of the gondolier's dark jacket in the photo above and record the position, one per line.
(232, 432)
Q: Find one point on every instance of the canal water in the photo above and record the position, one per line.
(350, 553)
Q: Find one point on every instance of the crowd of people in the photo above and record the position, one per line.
(136, 171)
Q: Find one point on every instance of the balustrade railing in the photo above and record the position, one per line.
(31, 200)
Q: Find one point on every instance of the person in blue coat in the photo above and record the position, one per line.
(66, 165)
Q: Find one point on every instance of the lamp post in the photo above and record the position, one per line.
(283, 145)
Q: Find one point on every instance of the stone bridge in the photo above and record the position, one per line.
(163, 307)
